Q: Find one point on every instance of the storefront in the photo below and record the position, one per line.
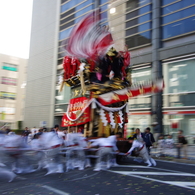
(179, 97)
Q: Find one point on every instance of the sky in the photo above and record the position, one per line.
(15, 27)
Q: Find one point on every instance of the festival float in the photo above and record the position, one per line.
(100, 81)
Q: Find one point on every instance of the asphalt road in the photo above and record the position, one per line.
(131, 177)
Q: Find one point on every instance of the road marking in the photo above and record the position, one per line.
(55, 190)
(183, 183)
(133, 166)
(173, 162)
(84, 177)
(180, 184)
(152, 173)
(146, 167)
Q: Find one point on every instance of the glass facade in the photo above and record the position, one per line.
(177, 18)
(63, 97)
(141, 121)
(179, 93)
(186, 122)
(139, 76)
(179, 76)
(138, 23)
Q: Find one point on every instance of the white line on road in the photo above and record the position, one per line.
(55, 190)
(152, 173)
(133, 166)
(173, 162)
(146, 167)
(183, 183)
(156, 180)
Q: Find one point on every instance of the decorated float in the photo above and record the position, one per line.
(100, 81)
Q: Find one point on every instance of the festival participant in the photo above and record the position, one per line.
(142, 151)
(105, 151)
(51, 144)
(37, 145)
(75, 153)
(113, 140)
(12, 144)
(2, 139)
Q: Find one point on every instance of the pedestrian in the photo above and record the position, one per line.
(138, 135)
(156, 130)
(169, 145)
(161, 145)
(25, 134)
(143, 152)
(56, 128)
(148, 139)
(182, 144)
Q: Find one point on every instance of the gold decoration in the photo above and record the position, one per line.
(141, 90)
(76, 92)
(78, 112)
(115, 97)
(129, 94)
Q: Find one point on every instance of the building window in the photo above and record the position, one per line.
(138, 20)
(177, 6)
(65, 33)
(8, 81)
(178, 15)
(180, 76)
(181, 16)
(70, 4)
(138, 29)
(8, 66)
(139, 39)
(7, 95)
(83, 11)
(178, 28)
(179, 90)
(138, 13)
(133, 4)
(67, 13)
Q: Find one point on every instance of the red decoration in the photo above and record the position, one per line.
(125, 94)
(125, 131)
(92, 64)
(126, 61)
(66, 66)
(74, 66)
(76, 106)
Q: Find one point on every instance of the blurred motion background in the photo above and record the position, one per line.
(160, 35)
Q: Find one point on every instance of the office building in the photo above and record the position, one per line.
(160, 35)
(12, 90)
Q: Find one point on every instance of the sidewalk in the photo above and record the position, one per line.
(155, 152)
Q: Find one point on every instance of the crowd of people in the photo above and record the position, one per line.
(58, 151)
(164, 144)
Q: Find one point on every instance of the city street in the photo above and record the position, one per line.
(167, 178)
